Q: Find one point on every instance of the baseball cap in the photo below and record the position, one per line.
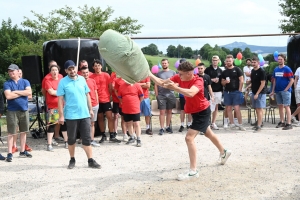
(13, 67)
(69, 63)
(182, 60)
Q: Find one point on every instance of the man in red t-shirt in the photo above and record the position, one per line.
(104, 91)
(131, 95)
(192, 88)
(83, 64)
(94, 100)
(145, 104)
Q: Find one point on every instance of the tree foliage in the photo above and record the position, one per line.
(151, 49)
(290, 10)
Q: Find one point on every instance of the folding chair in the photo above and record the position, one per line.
(270, 109)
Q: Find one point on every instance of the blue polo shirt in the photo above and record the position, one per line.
(282, 76)
(74, 93)
(20, 103)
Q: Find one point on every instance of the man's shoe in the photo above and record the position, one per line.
(2, 157)
(54, 143)
(125, 138)
(49, 147)
(25, 154)
(280, 124)
(9, 157)
(14, 149)
(79, 141)
(71, 164)
(93, 164)
(161, 131)
(225, 156)
(255, 124)
(181, 129)
(27, 148)
(131, 140)
(188, 175)
(169, 130)
(138, 143)
(214, 126)
(95, 144)
(232, 126)
(294, 120)
(187, 127)
(225, 126)
(66, 145)
(257, 129)
(59, 139)
(102, 139)
(242, 128)
(287, 127)
(115, 140)
(149, 131)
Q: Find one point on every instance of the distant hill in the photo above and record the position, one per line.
(256, 49)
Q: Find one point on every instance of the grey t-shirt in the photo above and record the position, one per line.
(165, 75)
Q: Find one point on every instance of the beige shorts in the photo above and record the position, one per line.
(297, 95)
(217, 100)
(15, 119)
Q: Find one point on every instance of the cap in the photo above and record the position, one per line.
(182, 60)
(69, 63)
(13, 67)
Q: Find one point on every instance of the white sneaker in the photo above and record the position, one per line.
(225, 126)
(214, 126)
(59, 139)
(232, 126)
(49, 147)
(294, 120)
(95, 144)
(54, 143)
(235, 121)
(297, 125)
(188, 175)
(225, 156)
(125, 137)
(241, 127)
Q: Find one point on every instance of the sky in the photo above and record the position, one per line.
(176, 18)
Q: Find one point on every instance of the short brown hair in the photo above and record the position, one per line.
(254, 58)
(185, 67)
(165, 59)
(54, 66)
(229, 56)
(282, 55)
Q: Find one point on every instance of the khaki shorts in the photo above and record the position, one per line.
(297, 95)
(15, 119)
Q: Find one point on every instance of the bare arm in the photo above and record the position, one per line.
(262, 85)
(43, 92)
(290, 84)
(184, 91)
(241, 78)
(52, 92)
(61, 119)
(210, 92)
(110, 88)
(155, 89)
(10, 94)
(27, 92)
(145, 85)
(224, 82)
(97, 98)
(274, 84)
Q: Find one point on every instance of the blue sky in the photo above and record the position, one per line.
(176, 18)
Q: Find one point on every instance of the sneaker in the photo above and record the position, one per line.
(25, 154)
(59, 139)
(181, 129)
(188, 175)
(188, 126)
(95, 144)
(114, 140)
(131, 140)
(280, 124)
(9, 157)
(214, 126)
(225, 156)
(125, 137)
(94, 164)
(255, 124)
(294, 120)
(161, 131)
(297, 125)
(138, 143)
(54, 143)
(169, 130)
(27, 148)
(225, 126)
(66, 145)
(14, 149)
(2, 157)
(102, 139)
(149, 131)
(49, 147)
(232, 126)
(287, 127)
(128, 133)
(71, 164)
(242, 128)
(257, 129)
(79, 141)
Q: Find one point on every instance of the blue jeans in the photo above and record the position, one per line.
(283, 98)
(260, 102)
(232, 98)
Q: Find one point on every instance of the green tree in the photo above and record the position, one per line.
(247, 53)
(171, 51)
(179, 51)
(151, 49)
(204, 51)
(290, 10)
(269, 58)
(187, 52)
(227, 51)
(235, 51)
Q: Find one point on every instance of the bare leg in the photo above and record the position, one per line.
(88, 151)
(116, 118)
(130, 127)
(281, 112)
(72, 150)
(110, 121)
(288, 114)
(15, 138)
(214, 114)
(238, 114)
(10, 142)
(192, 148)
(137, 128)
(259, 113)
(65, 135)
(49, 137)
(147, 120)
(182, 116)
(56, 130)
(124, 126)
(162, 118)
(168, 117)
(214, 139)
(101, 122)
(22, 141)
(229, 113)
(92, 130)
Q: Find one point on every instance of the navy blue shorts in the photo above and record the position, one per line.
(232, 98)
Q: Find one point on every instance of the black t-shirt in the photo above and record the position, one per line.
(234, 75)
(256, 77)
(207, 82)
(214, 73)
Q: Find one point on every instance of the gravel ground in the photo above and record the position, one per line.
(263, 165)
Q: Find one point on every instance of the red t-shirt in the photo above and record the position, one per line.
(113, 77)
(102, 81)
(117, 83)
(197, 103)
(90, 73)
(93, 87)
(145, 90)
(49, 76)
(52, 101)
(130, 95)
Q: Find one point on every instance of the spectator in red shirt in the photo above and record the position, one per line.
(51, 85)
(83, 64)
(131, 95)
(115, 99)
(94, 100)
(104, 90)
(145, 104)
(192, 88)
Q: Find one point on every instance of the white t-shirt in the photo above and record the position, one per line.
(297, 73)
(247, 69)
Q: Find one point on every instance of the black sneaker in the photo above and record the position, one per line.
(187, 127)
(280, 124)
(181, 129)
(149, 131)
(161, 131)
(255, 124)
(94, 164)
(169, 130)
(102, 139)
(128, 133)
(131, 141)
(25, 154)
(257, 129)
(115, 140)
(287, 127)
(138, 143)
(2, 157)
(71, 164)
(9, 157)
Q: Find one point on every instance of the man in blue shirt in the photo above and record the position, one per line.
(16, 91)
(75, 108)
